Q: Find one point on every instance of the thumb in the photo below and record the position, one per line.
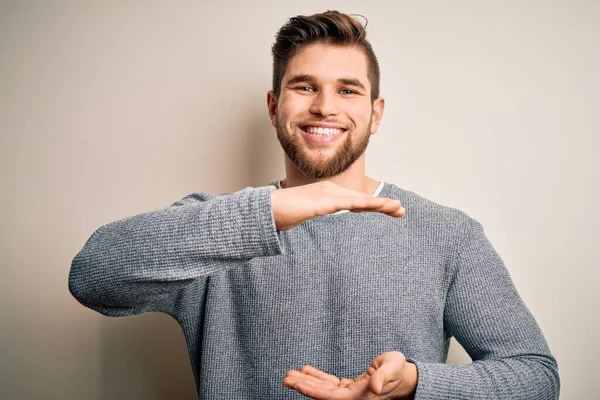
(384, 369)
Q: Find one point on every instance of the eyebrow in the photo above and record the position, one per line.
(309, 78)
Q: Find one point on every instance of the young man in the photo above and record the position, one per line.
(265, 280)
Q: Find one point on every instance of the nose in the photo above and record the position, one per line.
(325, 104)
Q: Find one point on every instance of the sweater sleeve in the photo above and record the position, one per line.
(486, 315)
(139, 263)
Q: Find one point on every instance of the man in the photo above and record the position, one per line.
(265, 280)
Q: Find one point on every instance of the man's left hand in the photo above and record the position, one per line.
(388, 377)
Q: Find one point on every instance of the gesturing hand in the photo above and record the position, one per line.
(292, 206)
(388, 377)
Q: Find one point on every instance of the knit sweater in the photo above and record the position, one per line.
(334, 293)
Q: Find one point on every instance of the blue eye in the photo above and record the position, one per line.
(305, 88)
(347, 91)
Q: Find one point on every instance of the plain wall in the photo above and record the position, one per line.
(113, 108)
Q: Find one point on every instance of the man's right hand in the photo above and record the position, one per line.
(293, 206)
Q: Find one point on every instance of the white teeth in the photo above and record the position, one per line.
(323, 131)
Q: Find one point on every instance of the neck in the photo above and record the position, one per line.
(353, 178)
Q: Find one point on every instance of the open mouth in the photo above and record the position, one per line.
(322, 132)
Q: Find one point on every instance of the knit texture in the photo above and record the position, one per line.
(334, 292)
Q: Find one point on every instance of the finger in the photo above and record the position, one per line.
(310, 389)
(377, 381)
(384, 370)
(330, 205)
(392, 211)
(364, 375)
(332, 189)
(294, 377)
(390, 357)
(390, 207)
(320, 393)
(367, 203)
(344, 191)
(312, 371)
(314, 388)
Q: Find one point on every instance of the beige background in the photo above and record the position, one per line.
(112, 108)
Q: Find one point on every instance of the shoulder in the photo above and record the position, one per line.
(193, 198)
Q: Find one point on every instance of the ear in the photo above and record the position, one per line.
(272, 106)
(378, 106)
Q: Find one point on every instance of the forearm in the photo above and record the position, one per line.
(532, 377)
(486, 315)
(149, 256)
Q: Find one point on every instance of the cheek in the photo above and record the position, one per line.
(291, 108)
(359, 112)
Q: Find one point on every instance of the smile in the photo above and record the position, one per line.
(313, 130)
(322, 135)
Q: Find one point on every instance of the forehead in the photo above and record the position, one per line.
(329, 62)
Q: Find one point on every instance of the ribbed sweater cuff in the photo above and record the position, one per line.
(242, 225)
(263, 210)
(439, 381)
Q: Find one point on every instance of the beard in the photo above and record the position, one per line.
(320, 166)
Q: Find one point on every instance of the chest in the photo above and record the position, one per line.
(380, 278)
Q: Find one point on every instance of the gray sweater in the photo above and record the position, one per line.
(334, 293)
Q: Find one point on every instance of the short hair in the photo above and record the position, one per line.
(330, 27)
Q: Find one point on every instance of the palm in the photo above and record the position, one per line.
(357, 389)
(319, 385)
(387, 377)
